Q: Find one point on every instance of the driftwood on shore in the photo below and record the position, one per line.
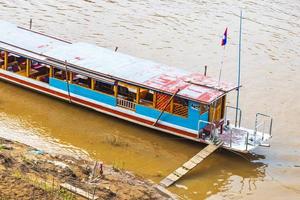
(79, 191)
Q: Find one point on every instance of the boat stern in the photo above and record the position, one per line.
(240, 139)
(243, 139)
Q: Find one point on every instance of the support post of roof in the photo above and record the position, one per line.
(138, 94)
(172, 106)
(93, 83)
(116, 89)
(154, 99)
(70, 77)
(51, 71)
(28, 67)
(223, 106)
(5, 60)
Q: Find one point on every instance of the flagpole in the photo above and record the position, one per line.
(239, 70)
(222, 62)
(224, 41)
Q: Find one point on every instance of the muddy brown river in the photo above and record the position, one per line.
(184, 34)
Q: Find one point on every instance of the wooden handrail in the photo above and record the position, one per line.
(165, 107)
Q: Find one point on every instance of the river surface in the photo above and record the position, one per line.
(184, 34)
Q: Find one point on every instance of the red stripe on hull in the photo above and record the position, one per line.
(96, 106)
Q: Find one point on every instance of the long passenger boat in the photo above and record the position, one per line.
(171, 100)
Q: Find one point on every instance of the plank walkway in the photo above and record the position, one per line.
(189, 165)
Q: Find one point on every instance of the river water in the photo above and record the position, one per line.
(185, 34)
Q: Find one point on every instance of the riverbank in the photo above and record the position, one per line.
(29, 173)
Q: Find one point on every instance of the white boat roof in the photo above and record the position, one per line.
(138, 71)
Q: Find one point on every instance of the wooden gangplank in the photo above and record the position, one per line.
(189, 165)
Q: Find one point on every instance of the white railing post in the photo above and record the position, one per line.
(266, 116)
(230, 138)
(237, 110)
(247, 138)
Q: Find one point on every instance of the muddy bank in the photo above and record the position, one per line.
(28, 173)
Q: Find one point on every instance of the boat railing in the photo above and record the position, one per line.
(213, 130)
(237, 110)
(262, 125)
(236, 131)
(126, 104)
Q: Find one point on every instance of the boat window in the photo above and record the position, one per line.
(2, 59)
(16, 63)
(13, 58)
(146, 97)
(59, 73)
(180, 107)
(39, 71)
(203, 109)
(25, 67)
(106, 87)
(127, 91)
(81, 80)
